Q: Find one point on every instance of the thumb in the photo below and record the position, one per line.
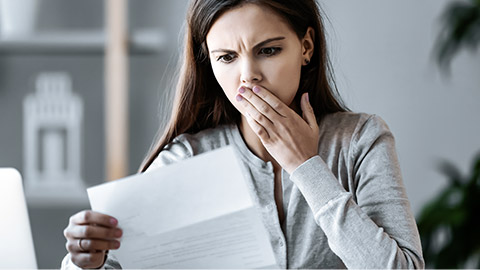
(308, 114)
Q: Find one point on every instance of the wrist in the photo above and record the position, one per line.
(294, 166)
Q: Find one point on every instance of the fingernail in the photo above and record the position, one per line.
(118, 233)
(239, 98)
(308, 100)
(241, 90)
(116, 245)
(113, 221)
(256, 89)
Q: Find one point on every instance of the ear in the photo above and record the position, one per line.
(308, 42)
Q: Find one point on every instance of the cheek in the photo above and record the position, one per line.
(285, 78)
(226, 78)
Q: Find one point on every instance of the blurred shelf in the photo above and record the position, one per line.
(57, 196)
(145, 41)
(57, 202)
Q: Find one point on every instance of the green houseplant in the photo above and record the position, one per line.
(460, 29)
(450, 224)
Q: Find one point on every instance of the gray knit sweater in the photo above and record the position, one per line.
(344, 208)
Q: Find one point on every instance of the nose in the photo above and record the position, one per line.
(251, 73)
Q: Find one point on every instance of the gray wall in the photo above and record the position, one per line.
(381, 51)
(149, 74)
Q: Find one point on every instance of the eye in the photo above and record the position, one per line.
(270, 51)
(226, 58)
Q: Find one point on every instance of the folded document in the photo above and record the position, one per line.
(196, 213)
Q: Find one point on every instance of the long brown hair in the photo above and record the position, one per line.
(200, 102)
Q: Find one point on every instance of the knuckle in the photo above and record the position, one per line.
(90, 258)
(264, 108)
(276, 106)
(88, 231)
(87, 244)
(86, 215)
(69, 246)
(76, 260)
(260, 118)
(80, 260)
(71, 220)
(260, 131)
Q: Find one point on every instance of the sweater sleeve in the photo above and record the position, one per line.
(377, 229)
(110, 263)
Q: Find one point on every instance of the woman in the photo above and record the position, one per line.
(255, 75)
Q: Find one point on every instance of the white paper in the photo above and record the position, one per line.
(197, 213)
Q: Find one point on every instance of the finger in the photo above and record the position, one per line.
(257, 128)
(88, 260)
(92, 217)
(253, 112)
(93, 232)
(308, 113)
(259, 105)
(91, 245)
(259, 96)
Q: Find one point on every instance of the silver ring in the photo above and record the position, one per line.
(80, 245)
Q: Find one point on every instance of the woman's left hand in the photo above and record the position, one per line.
(289, 138)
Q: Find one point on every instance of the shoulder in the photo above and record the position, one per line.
(187, 145)
(352, 121)
(354, 131)
(353, 125)
(206, 140)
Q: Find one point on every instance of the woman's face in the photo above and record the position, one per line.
(252, 45)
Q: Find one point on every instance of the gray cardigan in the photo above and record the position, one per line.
(344, 208)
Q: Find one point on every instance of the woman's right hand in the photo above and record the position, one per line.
(89, 235)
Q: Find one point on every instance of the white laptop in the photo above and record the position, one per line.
(16, 243)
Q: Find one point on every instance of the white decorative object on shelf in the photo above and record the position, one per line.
(52, 148)
(18, 17)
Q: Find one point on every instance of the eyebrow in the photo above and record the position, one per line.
(254, 47)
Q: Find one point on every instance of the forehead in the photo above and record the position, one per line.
(248, 24)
